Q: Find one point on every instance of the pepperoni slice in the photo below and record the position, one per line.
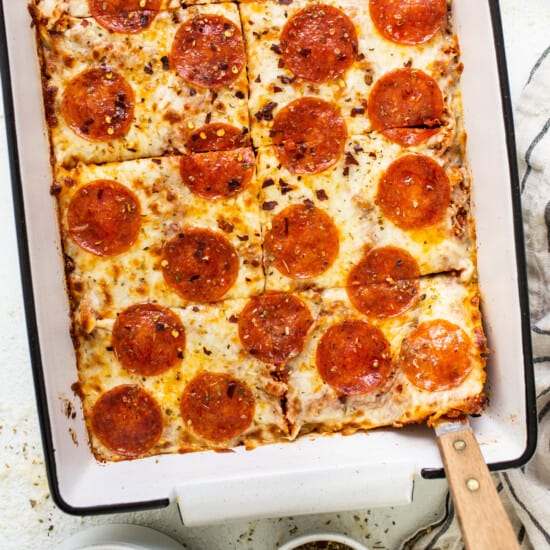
(405, 98)
(414, 192)
(98, 105)
(436, 356)
(303, 241)
(353, 357)
(124, 16)
(319, 43)
(208, 51)
(148, 339)
(217, 136)
(217, 407)
(408, 21)
(200, 265)
(104, 218)
(273, 327)
(127, 420)
(384, 283)
(218, 174)
(309, 135)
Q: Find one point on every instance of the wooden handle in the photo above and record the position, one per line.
(481, 515)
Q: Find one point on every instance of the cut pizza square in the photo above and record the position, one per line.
(389, 368)
(119, 16)
(160, 380)
(333, 51)
(172, 230)
(316, 228)
(112, 96)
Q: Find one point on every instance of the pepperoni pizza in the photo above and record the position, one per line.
(265, 216)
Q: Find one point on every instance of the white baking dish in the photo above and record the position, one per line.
(312, 475)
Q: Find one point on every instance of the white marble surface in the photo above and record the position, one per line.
(29, 519)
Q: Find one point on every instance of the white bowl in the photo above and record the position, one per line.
(322, 537)
(120, 537)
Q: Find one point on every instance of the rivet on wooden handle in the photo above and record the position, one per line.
(483, 520)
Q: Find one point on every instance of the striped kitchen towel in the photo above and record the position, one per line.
(525, 492)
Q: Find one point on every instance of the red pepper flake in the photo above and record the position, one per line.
(360, 56)
(276, 48)
(346, 171)
(321, 195)
(309, 203)
(281, 63)
(231, 387)
(148, 68)
(285, 186)
(277, 89)
(225, 226)
(285, 2)
(258, 79)
(351, 160)
(357, 111)
(268, 182)
(267, 112)
(286, 79)
(233, 319)
(357, 148)
(165, 62)
(206, 351)
(55, 189)
(192, 92)
(269, 205)
(408, 63)
(239, 94)
(208, 118)
(242, 238)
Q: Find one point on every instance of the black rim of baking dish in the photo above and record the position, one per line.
(32, 329)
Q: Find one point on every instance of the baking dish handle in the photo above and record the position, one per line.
(290, 493)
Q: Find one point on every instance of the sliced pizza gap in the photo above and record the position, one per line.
(160, 229)
(113, 96)
(333, 51)
(317, 227)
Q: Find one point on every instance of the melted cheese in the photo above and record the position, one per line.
(262, 25)
(102, 285)
(51, 10)
(350, 188)
(166, 107)
(166, 111)
(213, 345)
(314, 405)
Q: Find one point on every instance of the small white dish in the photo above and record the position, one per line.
(322, 537)
(120, 537)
